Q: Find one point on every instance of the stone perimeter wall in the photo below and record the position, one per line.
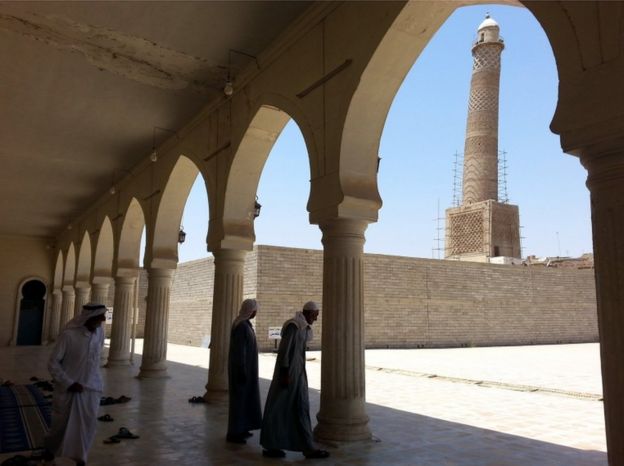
(409, 302)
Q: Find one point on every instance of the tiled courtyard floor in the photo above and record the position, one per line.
(532, 405)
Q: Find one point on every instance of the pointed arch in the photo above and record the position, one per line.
(83, 265)
(104, 250)
(58, 272)
(69, 275)
(164, 245)
(244, 175)
(130, 236)
(379, 83)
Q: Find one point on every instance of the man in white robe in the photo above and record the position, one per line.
(286, 423)
(75, 367)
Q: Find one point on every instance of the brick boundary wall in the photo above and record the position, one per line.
(409, 302)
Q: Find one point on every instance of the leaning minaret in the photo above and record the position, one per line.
(481, 227)
(481, 147)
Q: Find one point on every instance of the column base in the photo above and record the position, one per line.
(338, 430)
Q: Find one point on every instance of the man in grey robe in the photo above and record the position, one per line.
(245, 412)
(286, 424)
(75, 366)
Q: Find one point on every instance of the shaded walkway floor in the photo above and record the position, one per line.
(424, 405)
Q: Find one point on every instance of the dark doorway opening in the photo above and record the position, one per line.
(32, 305)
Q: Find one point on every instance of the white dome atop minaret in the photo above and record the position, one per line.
(488, 22)
(488, 31)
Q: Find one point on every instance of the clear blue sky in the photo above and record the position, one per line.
(425, 127)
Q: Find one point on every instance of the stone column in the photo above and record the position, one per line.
(55, 315)
(227, 297)
(154, 361)
(67, 307)
(82, 298)
(606, 184)
(119, 351)
(342, 415)
(99, 293)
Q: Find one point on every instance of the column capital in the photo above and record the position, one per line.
(343, 226)
(237, 255)
(155, 272)
(605, 167)
(124, 280)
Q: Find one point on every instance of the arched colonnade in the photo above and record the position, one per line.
(336, 72)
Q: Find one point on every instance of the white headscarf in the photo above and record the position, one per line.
(246, 310)
(301, 321)
(88, 310)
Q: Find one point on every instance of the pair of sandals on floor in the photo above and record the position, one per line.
(123, 433)
(314, 454)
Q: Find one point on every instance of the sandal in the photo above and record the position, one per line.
(317, 454)
(107, 400)
(125, 433)
(197, 399)
(113, 439)
(106, 418)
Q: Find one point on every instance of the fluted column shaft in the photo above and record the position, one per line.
(606, 184)
(82, 297)
(99, 293)
(119, 351)
(67, 307)
(342, 415)
(154, 361)
(55, 315)
(227, 297)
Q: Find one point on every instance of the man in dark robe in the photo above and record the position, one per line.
(245, 413)
(286, 424)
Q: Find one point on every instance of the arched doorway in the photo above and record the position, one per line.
(31, 309)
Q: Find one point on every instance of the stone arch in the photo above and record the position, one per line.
(369, 106)
(69, 274)
(129, 249)
(248, 162)
(83, 265)
(58, 272)
(30, 309)
(104, 250)
(380, 80)
(163, 252)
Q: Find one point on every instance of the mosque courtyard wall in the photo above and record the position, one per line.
(409, 302)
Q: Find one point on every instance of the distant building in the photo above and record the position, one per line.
(482, 228)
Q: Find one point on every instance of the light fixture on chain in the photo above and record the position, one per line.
(257, 207)
(228, 89)
(181, 235)
(154, 154)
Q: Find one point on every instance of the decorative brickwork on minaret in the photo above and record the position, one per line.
(482, 227)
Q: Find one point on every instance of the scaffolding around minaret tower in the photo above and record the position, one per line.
(481, 227)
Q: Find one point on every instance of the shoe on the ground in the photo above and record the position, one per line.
(274, 453)
(316, 454)
(235, 438)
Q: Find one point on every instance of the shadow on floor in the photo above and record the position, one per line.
(175, 432)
